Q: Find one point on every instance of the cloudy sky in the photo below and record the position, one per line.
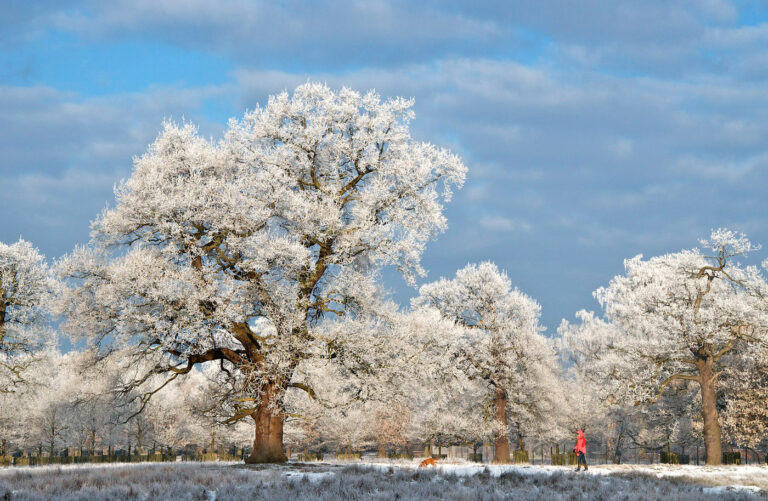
(594, 130)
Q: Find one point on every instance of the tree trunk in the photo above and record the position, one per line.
(617, 449)
(268, 440)
(53, 439)
(139, 436)
(382, 451)
(712, 435)
(501, 441)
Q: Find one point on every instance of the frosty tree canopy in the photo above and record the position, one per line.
(27, 289)
(235, 252)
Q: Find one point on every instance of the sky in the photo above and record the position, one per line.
(593, 130)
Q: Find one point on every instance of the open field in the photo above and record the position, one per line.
(379, 481)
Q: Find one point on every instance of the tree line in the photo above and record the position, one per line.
(238, 281)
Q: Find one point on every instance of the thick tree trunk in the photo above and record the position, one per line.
(268, 440)
(712, 435)
(501, 441)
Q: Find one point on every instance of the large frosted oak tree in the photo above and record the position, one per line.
(241, 252)
(682, 317)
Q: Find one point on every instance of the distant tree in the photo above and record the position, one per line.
(50, 410)
(684, 317)
(391, 426)
(27, 288)
(241, 253)
(500, 347)
(746, 405)
(593, 401)
(446, 405)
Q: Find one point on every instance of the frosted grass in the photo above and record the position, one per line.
(374, 481)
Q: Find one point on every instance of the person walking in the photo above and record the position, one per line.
(581, 451)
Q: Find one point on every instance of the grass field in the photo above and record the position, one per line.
(379, 481)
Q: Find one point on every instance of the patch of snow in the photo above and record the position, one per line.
(722, 489)
(312, 476)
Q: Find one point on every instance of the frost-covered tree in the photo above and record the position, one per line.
(592, 405)
(500, 346)
(746, 405)
(93, 410)
(604, 406)
(391, 425)
(539, 407)
(50, 409)
(172, 418)
(27, 288)
(584, 348)
(683, 317)
(446, 406)
(239, 253)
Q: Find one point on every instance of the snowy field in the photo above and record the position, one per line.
(379, 481)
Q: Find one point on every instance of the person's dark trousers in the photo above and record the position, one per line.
(582, 460)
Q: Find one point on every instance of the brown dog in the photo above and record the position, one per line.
(428, 462)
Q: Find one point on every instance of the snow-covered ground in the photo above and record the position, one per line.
(380, 480)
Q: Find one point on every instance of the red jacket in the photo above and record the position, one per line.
(581, 443)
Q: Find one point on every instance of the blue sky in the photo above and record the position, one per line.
(593, 130)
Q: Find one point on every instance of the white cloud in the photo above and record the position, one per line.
(732, 171)
(501, 223)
